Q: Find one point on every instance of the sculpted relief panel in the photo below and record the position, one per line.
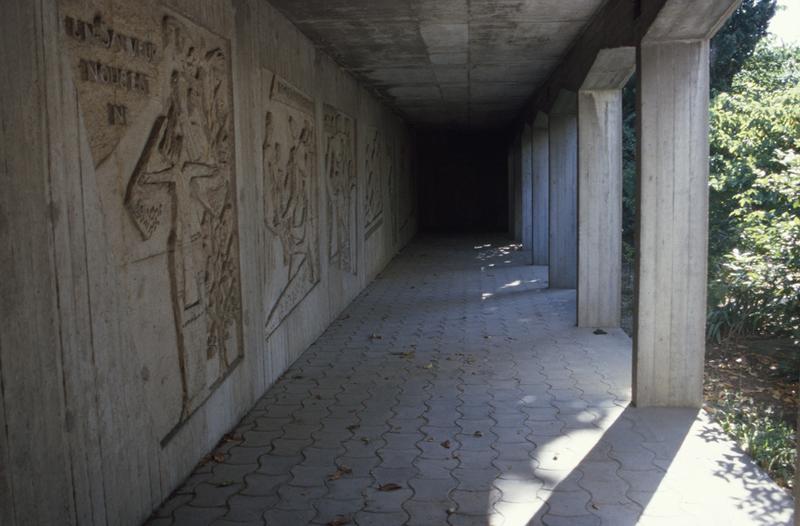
(373, 168)
(116, 65)
(155, 95)
(341, 184)
(290, 200)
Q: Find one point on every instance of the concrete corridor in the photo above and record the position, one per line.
(457, 390)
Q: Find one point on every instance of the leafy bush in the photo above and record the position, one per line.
(761, 434)
(754, 243)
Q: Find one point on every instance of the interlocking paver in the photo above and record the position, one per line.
(242, 508)
(459, 377)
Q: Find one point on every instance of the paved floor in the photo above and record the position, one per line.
(456, 390)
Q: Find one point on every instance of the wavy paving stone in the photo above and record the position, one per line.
(459, 378)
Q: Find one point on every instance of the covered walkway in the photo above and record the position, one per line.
(457, 390)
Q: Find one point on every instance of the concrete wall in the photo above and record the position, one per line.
(185, 215)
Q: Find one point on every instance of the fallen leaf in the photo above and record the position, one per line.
(339, 521)
(446, 444)
(343, 470)
(599, 332)
(391, 486)
(218, 457)
(375, 336)
(477, 434)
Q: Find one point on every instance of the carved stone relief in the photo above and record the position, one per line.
(373, 168)
(341, 184)
(116, 64)
(155, 94)
(290, 200)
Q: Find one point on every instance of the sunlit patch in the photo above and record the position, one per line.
(486, 295)
(585, 417)
(515, 283)
(517, 513)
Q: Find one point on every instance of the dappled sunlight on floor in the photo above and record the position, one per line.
(456, 390)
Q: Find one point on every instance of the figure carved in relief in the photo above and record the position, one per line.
(373, 207)
(189, 157)
(289, 193)
(342, 190)
(289, 166)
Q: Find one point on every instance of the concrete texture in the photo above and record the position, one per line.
(458, 383)
(526, 171)
(518, 189)
(669, 331)
(600, 188)
(599, 208)
(180, 251)
(563, 157)
(202, 195)
(455, 62)
(540, 167)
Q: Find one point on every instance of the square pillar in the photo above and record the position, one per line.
(563, 155)
(540, 181)
(672, 223)
(510, 177)
(517, 188)
(526, 189)
(599, 208)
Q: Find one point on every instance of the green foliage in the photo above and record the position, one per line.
(735, 41)
(761, 433)
(733, 44)
(755, 198)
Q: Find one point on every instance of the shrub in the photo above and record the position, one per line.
(764, 436)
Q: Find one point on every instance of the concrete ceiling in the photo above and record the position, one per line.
(454, 63)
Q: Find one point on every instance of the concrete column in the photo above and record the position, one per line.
(669, 334)
(540, 166)
(510, 177)
(563, 192)
(600, 188)
(599, 208)
(526, 187)
(518, 213)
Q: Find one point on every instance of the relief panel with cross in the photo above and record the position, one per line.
(155, 94)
